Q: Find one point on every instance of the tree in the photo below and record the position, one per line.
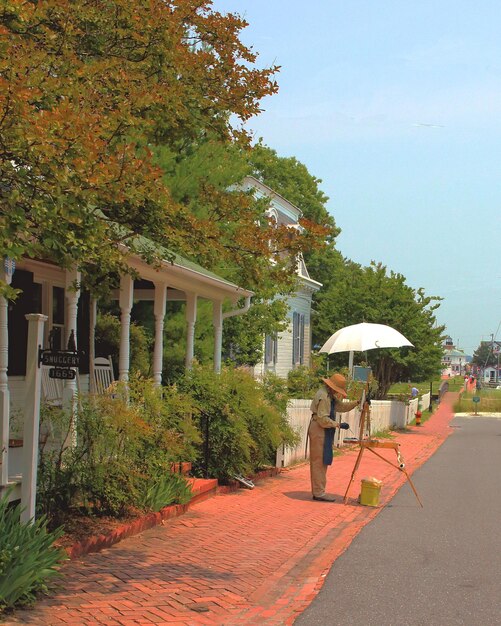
(352, 293)
(291, 179)
(486, 354)
(206, 176)
(87, 90)
(371, 294)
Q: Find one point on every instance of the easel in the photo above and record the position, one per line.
(369, 444)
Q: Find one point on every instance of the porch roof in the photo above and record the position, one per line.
(181, 273)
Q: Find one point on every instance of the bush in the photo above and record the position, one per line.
(120, 447)
(165, 490)
(244, 427)
(28, 558)
(302, 382)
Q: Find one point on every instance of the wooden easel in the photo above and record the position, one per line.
(369, 444)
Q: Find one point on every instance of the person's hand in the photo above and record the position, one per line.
(344, 425)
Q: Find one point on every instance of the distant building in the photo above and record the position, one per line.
(491, 374)
(454, 360)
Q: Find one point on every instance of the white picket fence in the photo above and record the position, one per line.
(385, 414)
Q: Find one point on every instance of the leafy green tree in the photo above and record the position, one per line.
(291, 179)
(371, 294)
(484, 355)
(352, 293)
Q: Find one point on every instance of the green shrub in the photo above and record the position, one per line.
(244, 427)
(275, 391)
(302, 382)
(28, 558)
(119, 447)
(167, 489)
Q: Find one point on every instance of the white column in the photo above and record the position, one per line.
(4, 384)
(72, 296)
(31, 416)
(191, 320)
(217, 320)
(125, 301)
(159, 312)
(92, 342)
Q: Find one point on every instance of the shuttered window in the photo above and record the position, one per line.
(270, 349)
(297, 338)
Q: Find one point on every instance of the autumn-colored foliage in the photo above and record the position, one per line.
(88, 90)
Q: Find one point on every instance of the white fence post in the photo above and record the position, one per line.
(31, 417)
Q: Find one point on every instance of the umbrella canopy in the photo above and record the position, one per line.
(362, 337)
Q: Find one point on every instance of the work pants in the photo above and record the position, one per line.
(318, 470)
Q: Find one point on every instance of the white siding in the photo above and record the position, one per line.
(300, 303)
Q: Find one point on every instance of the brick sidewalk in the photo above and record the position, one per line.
(252, 557)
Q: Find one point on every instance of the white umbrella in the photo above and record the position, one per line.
(362, 337)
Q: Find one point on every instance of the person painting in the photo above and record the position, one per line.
(326, 403)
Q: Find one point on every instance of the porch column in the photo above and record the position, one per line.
(125, 301)
(92, 342)
(217, 320)
(191, 319)
(33, 382)
(159, 311)
(6, 272)
(72, 296)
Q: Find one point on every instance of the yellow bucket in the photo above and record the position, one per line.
(371, 489)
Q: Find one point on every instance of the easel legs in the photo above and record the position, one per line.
(357, 463)
(400, 467)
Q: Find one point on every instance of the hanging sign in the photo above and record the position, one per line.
(62, 373)
(59, 358)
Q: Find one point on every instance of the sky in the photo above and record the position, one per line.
(396, 107)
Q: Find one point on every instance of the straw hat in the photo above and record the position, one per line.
(337, 382)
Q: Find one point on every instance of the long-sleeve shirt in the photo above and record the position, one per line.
(321, 407)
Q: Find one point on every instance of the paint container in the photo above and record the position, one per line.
(370, 491)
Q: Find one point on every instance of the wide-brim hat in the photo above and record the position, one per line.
(337, 382)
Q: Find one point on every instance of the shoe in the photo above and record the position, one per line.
(324, 498)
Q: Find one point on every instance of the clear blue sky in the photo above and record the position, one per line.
(396, 106)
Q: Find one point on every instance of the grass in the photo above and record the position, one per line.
(383, 434)
(490, 402)
(455, 384)
(425, 416)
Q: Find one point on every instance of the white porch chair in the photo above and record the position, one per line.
(52, 388)
(103, 374)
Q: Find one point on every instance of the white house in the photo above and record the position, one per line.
(291, 347)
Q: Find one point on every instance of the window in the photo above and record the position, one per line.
(297, 338)
(270, 349)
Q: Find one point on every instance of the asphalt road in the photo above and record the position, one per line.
(435, 566)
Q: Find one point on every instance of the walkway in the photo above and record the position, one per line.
(435, 566)
(251, 557)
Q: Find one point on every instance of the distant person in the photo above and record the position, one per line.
(326, 403)
(478, 385)
(414, 392)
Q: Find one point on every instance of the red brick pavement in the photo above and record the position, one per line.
(251, 557)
